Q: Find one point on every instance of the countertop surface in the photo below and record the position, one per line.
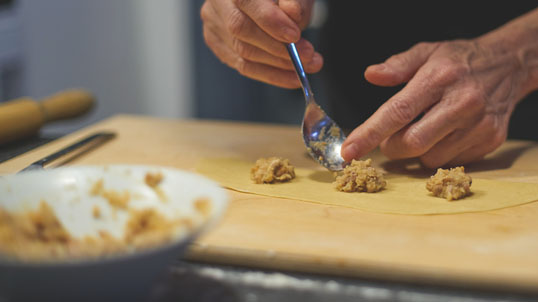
(189, 280)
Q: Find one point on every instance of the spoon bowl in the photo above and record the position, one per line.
(322, 136)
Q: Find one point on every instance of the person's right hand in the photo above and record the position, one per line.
(250, 36)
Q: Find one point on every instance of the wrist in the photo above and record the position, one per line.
(517, 40)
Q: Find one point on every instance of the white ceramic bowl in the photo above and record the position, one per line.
(118, 276)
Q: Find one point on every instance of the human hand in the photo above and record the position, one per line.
(250, 36)
(466, 92)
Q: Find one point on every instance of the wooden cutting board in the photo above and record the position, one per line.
(497, 249)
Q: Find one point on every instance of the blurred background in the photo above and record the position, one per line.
(149, 57)
(136, 56)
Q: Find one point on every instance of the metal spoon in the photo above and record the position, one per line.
(322, 136)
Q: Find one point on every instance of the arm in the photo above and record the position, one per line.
(250, 36)
(465, 89)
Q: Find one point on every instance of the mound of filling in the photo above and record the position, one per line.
(360, 176)
(451, 184)
(272, 170)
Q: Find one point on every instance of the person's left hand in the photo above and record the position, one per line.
(465, 91)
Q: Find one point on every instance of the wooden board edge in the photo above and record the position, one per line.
(328, 266)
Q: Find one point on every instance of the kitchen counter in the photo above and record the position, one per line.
(192, 279)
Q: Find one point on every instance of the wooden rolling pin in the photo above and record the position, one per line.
(23, 117)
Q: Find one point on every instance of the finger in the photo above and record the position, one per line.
(299, 11)
(234, 25)
(418, 95)
(458, 109)
(417, 138)
(242, 29)
(312, 61)
(448, 148)
(455, 147)
(221, 50)
(254, 54)
(473, 154)
(400, 68)
(270, 18)
(257, 71)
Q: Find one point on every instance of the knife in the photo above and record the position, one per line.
(82, 146)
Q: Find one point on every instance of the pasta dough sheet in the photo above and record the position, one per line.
(403, 194)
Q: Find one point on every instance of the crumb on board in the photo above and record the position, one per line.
(114, 198)
(148, 228)
(153, 179)
(203, 206)
(96, 211)
(97, 188)
(117, 199)
(360, 176)
(271, 170)
(451, 184)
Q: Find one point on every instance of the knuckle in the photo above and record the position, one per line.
(203, 12)
(210, 41)
(427, 46)
(447, 71)
(372, 137)
(401, 112)
(206, 36)
(474, 102)
(242, 49)
(237, 23)
(242, 66)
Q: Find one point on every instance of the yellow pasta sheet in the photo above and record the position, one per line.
(403, 194)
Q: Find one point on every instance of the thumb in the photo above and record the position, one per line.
(401, 67)
(299, 11)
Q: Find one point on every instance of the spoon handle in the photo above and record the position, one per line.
(294, 55)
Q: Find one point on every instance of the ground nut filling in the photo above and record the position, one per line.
(450, 184)
(271, 170)
(360, 176)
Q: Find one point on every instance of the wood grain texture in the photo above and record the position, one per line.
(489, 249)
